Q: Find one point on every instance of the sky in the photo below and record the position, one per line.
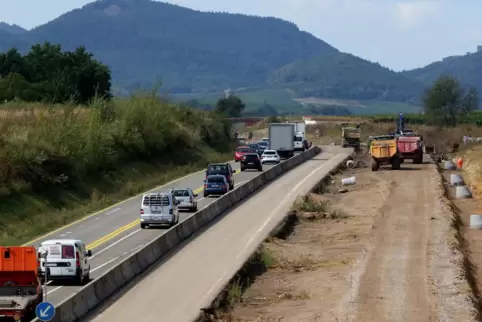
(395, 33)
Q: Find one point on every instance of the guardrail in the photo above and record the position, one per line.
(102, 288)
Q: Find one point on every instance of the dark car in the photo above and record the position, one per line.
(242, 150)
(224, 169)
(251, 161)
(257, 148)
(215, 185)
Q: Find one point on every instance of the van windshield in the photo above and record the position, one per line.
(68, 252)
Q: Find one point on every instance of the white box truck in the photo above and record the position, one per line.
(282, 139)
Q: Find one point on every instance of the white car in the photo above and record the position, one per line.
(270, 156)
(64, 259)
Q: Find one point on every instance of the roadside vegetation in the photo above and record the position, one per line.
(62, 159)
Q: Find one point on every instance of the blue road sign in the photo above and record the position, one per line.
(45, 311)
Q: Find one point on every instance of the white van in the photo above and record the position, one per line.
(159, 209)
(66, 259)
(299, 141)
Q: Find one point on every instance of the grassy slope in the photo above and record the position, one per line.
(58, 167)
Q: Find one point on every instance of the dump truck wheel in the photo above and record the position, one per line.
(396, 163)
(375, 165)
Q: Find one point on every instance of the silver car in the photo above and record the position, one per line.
(186, 198)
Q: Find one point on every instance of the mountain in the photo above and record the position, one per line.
(467, 69)
(344, 75)
(12, 29)
(144, 42)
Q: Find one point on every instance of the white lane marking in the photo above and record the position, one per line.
(275, 211)
(124, 238)
(98, 267)
(115, 243)
(112, 211)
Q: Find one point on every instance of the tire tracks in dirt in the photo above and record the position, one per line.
(394, 282)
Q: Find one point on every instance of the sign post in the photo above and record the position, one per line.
(43, 254)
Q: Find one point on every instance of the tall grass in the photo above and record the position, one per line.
(49, 152)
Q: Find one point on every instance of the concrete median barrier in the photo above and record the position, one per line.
(103, 287)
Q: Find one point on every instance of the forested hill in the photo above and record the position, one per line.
(12, 29)
(467, 69)
(145, 42)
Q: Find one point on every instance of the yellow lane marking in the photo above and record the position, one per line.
(124, 228)
(111, 207)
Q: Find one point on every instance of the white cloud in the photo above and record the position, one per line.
(411, 14)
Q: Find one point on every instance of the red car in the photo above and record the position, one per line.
(241, 151)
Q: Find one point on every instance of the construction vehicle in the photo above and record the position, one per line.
(351, 136)
(384, 150)
(410, 147)
(20, 286)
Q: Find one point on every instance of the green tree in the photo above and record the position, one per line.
(46, 73)
(232, 106)
(445, 103)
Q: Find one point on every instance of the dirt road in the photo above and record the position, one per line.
(388, 255)
(395, 284)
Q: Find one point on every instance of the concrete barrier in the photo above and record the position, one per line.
(103, 287)
(456, 180)
(462, 192)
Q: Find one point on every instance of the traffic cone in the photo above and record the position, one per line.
(460, 162)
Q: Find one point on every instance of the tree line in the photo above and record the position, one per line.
(445, 103)
(48, 74)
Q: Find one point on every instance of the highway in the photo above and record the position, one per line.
(197, 271)
(115, 232)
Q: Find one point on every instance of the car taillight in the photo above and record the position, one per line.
(190, 199)
(77, 259)
(142, 211)
(205, 185)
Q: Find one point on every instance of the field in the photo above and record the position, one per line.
(285, 101)
(59, 163)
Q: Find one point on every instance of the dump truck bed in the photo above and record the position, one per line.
(383, 149)
(408, 144)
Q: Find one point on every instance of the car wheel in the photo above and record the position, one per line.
(143, 226)
(206, 195)
(87, 277)
(231, 187)
(79, 279)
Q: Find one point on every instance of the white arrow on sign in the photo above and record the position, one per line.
(43, 313)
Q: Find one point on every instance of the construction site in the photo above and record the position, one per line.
(386, 238)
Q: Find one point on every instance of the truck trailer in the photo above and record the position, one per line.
(282, 139)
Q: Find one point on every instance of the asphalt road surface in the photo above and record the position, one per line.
(114, 233)
(196, 272)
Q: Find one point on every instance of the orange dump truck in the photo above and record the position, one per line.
(411, 148)
(20, 287)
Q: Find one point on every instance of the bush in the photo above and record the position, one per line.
(42, 146)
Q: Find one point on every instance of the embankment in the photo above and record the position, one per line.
(61, 162)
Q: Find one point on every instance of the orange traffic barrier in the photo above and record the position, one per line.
(460, 163)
